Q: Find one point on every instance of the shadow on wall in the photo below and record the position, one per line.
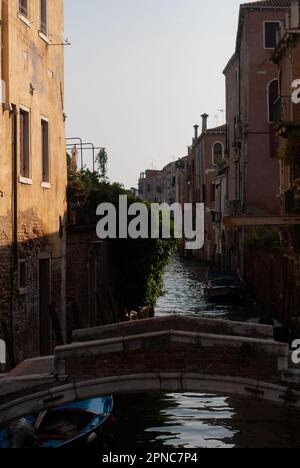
(92, 280)
(33, 309)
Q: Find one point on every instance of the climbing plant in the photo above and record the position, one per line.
(140, 263)
(264, 236)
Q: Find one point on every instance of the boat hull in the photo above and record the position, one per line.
(225, 292)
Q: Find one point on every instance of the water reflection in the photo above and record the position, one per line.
(183, 295)
(201, 421)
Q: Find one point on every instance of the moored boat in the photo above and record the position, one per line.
(68, 426)
(222, 286)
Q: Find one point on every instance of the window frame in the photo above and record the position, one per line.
(24, 12)
(25, 176)
(264, 33)
(43, 27)
(45, 175)
(22, 276)
(269, 121)
(213, 151)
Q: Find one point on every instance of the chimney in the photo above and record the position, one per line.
(295, 7)
(204, 122)
(196, 128)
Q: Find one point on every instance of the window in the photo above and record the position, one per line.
(273, 100)
(45, 151)
(270, 34)
(43, 17)
(23, 6)
(24, 143)
(22, 280)
(237, 81)
(218, 153)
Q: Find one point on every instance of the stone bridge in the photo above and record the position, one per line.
(168, 354)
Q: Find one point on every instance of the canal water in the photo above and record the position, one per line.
(201, 421)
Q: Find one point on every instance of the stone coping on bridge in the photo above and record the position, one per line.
(175, 322)
(173, 351)
(136, 342)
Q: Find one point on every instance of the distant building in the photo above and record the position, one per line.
(252, 91)
(206, 156)
(169, 175)
(151, 186)
(287, 126)
(134, 191)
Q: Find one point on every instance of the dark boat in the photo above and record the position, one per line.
(222, 285)
(68, 426)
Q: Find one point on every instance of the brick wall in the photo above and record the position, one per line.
(82, 247)
(274, 277)
(174, 351)
(20, 310)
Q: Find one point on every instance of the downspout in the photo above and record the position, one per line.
(7, 107)
(14, 263)
(241, 234)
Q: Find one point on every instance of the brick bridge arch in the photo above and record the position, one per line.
(167, 354)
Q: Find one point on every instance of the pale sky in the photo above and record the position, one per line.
(140, 73)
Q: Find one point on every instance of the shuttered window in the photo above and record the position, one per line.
(44, 17)
(45, 151)
(23, 6)
(24, 143)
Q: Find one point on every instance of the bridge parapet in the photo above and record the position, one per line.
(175, 354)
(175, 322)
(173, 351)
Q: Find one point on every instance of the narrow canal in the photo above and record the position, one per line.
(201, 421)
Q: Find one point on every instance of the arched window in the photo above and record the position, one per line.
(273, 100)
(218, 153)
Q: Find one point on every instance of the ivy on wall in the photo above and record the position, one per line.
(140, 263)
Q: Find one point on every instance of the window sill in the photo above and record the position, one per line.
(46, 185)
(24, 19)
(25, 181)
(44, 37)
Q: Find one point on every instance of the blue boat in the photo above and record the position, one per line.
(68, 426)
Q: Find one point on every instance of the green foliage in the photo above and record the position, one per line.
(101, 162)
(141, 263)
(264, 236)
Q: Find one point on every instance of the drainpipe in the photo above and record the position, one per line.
(7, 107)
(14, 261)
